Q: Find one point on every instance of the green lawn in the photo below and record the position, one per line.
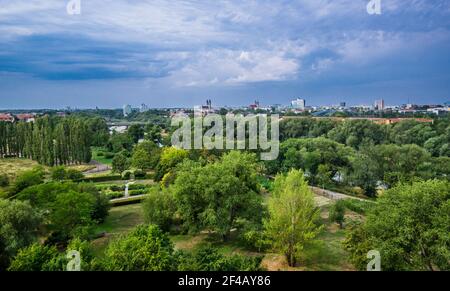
(119, 221)
(100, 159)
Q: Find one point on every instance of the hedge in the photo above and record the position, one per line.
(101, 178)
(130, 200)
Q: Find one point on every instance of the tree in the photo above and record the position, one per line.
(120, 162)
(145, 156)
(159, 209)
(396, 164)
(170, 158)
(409, 225)
(37, 258)
(292, 215)
(146, 248)
(136, 132)
(153, 133)
(120, 141)
(218, 194)
(19, 224)
(99, 131)
(337, 212)
(323, 176)
(364, 173)
(72, 215)
(231, 190)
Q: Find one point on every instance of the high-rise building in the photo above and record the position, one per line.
(379, 104)
(343, 104)
(127, 110)
(299, 104)
(144, 108)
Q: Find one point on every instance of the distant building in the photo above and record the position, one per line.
(127, 110)
(6, 117)
(379, 104)
(299, 104)
(209, 104)
(438, 111)
(343, 104)
(27, 117)
(144, 108)
(254, 106)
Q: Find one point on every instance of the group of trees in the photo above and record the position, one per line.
(52, 140)
(57, 211)
(358, 133)
(410, 227)
(225, 194)
(362, 153)
(145, 248)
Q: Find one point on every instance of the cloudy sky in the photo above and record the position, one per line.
(181, 52)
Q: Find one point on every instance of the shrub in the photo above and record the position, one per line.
(208, 258)
(58, 173)
(137, 187)
(146, 248)
(116, 188)
(74, 175)
(358, 206)
(126, 175)
(4, 180)
(28, 178)
(139, 173)
(137, 192)
(102, 178)
(109, 155)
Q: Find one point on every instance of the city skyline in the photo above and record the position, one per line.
(177, 54)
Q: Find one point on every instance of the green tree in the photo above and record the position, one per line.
(159, 208)
(170, 158)
(98, 130)
(146, 248)
(136, 132)
(364, 173)
(19, 224)
(120, 141)
(409, 225)
(145, 156)
(218, 194)
(231, 190)
(72, 215)
(120, 162)
(37, 258)
(292, 216)
(337, 213)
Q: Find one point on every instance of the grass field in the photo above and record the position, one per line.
(100, 159)
(325, 253)
(12, 167)
(120, 220)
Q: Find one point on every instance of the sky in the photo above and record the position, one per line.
(178, 53)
